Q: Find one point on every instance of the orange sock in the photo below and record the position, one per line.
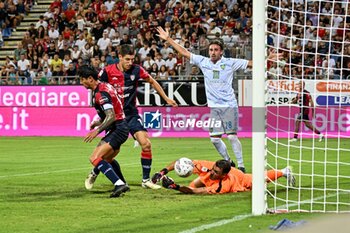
(273, 175)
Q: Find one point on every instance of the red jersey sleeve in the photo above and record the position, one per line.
(143, 73)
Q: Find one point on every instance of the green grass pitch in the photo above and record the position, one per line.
(42, 190)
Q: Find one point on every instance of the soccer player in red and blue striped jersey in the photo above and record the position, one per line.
(112, 120)
(306, 106)
(124, 76)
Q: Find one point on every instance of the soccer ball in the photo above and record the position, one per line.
(183, 167)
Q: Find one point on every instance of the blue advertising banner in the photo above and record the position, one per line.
(343, 100)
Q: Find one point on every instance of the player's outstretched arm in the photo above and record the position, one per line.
(188, 190)
(272, 57)
(275, 56)
(160, 91)
(165, 36)
(169, 183)
(159, 175)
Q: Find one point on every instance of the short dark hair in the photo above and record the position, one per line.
(126, 49)
(86, 71)
(217, 42)
(224, 165)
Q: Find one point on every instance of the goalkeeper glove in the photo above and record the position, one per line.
(159, 175)
(169, 183)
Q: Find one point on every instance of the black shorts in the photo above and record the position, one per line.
(135, 124)
(117, 135)
(303, 117)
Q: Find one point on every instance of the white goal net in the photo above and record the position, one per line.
(308, 87)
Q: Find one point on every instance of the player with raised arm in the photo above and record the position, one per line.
(217, 178)
(218, 76)
(306, 104)
(109, 107)
(124, 76)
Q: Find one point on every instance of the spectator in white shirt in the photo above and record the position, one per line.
(80, 22)
(23, 64)
(144, 51)
(45, 61)
(23, 68)
(41, 22)
(171, 62)
(230, 4)
(48, 14)
(80, 41)
(104, 41)
(159, 60)
(111, 32)
(130, 3)
(66, 61)
(213, 30)
(274, 71)
(327, 9)
(109, 5)
(147, 64)
(75, 53)
(207, 20)
(229, 39)
(87, 52)
(337, 19)
(166, 50)
(115, 39)
(328, 65)
(60, 42)
(53, 33)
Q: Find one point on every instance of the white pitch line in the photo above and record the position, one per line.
(217, 224)
(242, 217)
(57, 171)
(43, 173)
(68, 170)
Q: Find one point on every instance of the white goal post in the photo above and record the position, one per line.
(259, 121)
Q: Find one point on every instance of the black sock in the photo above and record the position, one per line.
(107, 170)
(146, 168)
(117, 170)
(96, 171)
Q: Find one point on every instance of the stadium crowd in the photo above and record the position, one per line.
(75, 32)
(12, 13)
(314, 37)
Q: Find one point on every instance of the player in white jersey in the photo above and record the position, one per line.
(218, 75)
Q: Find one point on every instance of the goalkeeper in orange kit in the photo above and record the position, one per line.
(218, 177)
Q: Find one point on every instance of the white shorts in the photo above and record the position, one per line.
(228, 116)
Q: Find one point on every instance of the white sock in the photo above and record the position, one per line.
(119, 182)
(237, 148)
(136, 144)
(221, 148)
(284, 171)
